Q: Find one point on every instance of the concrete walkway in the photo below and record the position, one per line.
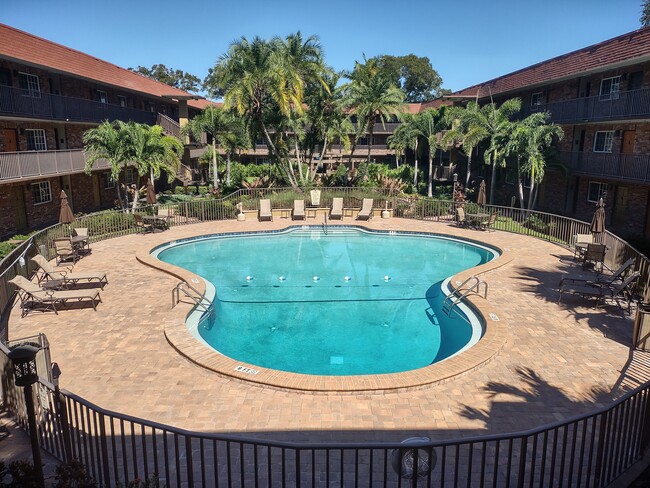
(559, 360)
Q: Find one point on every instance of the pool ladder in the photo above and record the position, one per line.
(183, 287)
(463, 290)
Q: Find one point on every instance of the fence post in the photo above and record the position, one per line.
(188, 458)
(602, 433)
(102, 437)
(523, 448)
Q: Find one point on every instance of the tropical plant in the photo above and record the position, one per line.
(493, 123)
(427, 126)
(371, 97)
(108, 141)
(528, 142)
(408, 135)
(264, 82)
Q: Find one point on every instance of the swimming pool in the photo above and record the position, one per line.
(345, 302)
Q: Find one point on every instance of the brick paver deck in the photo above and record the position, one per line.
(557, 360)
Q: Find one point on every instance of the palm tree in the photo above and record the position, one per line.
(462, 131)
(215, 122)
(370, 96)
(494, 123)
(427, 125)
(408, 132)
(264, 82)
(233, 140)
(529, 141)
(109, 141)
(152, 152)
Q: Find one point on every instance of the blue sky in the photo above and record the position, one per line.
(467, 41)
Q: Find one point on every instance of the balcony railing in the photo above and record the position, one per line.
(40, 105)
(34, 164)
(629, 105)
(634, 167)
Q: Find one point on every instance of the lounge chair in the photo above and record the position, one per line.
(265, 210)
(141, 225)
(298, 210)
(602, 279)
(460, 217)
(366, 209)
(315, 198)
(336, 212)
(32, 296)
(595, 254)
(65, 251)
(49, 273)
(616, 291)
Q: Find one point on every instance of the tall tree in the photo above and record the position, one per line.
(152, 151)
(169, 76)
(528, 142)
(494, 123)
(264, 82)
(413, 75)
(108, 141)
(645, 13)
(216, 122)
(462, 131)
(429, 126)
(408, 132)
(372, 98)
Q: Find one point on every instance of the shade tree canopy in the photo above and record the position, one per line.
(169, 76)
(414, 75)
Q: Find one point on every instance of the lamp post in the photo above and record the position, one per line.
(24, 360)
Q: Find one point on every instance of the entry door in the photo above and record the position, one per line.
(11, 140)
(19, 205)
(629, 137)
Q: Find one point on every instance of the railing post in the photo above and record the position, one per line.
(188, 458)
(104, 449)
(600, 452)
(521, 475)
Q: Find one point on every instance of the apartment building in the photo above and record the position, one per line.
(49, 96)
(600, 95)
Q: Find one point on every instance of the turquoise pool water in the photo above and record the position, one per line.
(347, 302)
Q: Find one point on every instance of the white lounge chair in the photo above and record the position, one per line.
(298, 210)
(65, 276)
(265, 210)
(336, 212)
(366, 209)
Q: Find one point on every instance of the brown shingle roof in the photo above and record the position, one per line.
(22, 46)
(622, 49)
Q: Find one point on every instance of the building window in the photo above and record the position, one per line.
(129, 176)
(609, 88)
(102, 96)
(537, 99)
(30, 84)
(36, 140)
(596, 191)
(603, 141)
(121, 99)
(41, 192)
(107, 181)
(261, 160)
(152, 107)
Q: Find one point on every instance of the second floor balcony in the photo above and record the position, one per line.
(630, 167)
(40, 105)
(29, 165)
(632, 104)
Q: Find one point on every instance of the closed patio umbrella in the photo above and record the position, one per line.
(482, 197)
(65, 216)
(151, 193)
(598, 221)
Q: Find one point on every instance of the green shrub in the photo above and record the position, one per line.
(536, 224)
(204, 190)
(6, 248)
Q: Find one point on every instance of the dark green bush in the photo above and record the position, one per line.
(536, 224)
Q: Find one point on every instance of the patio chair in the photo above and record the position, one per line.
(616, 291)
(298, 210)
(50, 273)
(33, 296)
(165, 216)
(81, 239)
(602, 279)
(142, 226)
(595, 255)
(580, 242)
(461, 221)
(336, 212)
(65, 251)
(265, 210)
(489, 224)
(366, 209)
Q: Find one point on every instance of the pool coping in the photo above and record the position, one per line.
(493, 340)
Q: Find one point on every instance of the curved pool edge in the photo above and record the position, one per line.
(494, 338)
